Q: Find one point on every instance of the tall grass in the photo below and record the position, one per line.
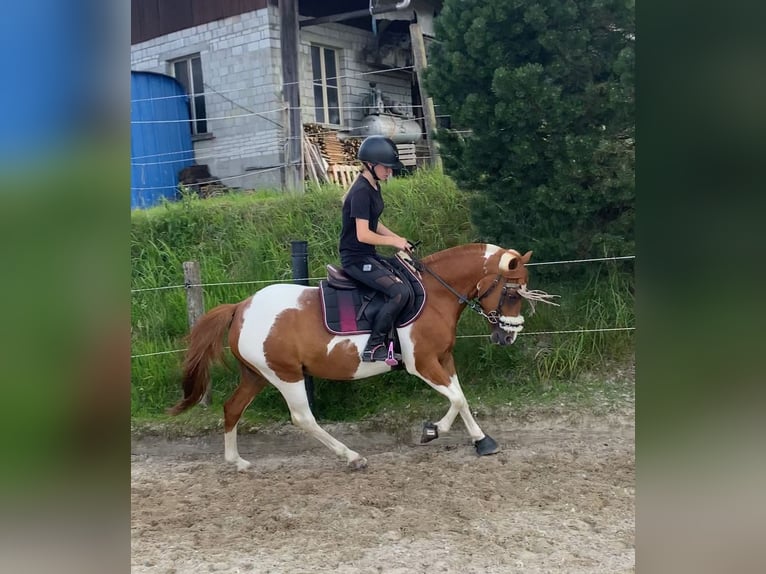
(246, 238)
(604, 302)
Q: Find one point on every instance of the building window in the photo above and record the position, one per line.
(188, 71)
(324, 63)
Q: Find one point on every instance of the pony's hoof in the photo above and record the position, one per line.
(358, 463)
(486, 446)
(243, 465)
(430, 432)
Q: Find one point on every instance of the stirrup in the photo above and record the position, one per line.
(380, 353)
(390, 358)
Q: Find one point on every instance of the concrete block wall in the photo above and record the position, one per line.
(241, 67)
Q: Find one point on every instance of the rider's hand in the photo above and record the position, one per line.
(404, 245)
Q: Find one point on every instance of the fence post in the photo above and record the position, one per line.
(195, 305)
(300, 260)
(429, 116)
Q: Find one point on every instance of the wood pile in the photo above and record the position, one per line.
(351, 148)
(332, 148)
(326, 157)
(197, 178)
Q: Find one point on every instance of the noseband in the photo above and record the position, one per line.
(509, 290)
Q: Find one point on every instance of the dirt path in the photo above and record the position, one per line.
(558, 498)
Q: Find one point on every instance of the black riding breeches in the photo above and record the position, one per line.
(375, 273)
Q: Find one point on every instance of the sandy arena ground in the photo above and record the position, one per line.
(558, 498)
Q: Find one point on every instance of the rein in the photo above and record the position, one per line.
(473, 304)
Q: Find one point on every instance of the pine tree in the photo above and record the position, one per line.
(541, 100)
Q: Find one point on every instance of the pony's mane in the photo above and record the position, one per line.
(451, 251)
(531, 295)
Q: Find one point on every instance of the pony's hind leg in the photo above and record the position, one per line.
(250, 384)
(302, 417)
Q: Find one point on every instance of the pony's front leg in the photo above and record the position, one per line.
(447, 384)
(302, 417)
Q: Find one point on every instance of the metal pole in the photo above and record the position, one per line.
(300, 259)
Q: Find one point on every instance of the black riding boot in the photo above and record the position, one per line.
(377, 345)
(376, 349)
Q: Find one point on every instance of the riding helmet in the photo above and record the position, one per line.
(379, 150)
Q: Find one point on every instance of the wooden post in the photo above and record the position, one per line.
(419, 56)
(288, 35)
(195, 305)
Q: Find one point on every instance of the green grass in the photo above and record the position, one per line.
(246, 237)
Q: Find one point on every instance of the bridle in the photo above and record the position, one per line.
(509, 290)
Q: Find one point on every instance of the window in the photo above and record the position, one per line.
(188, 71)
(326, 92)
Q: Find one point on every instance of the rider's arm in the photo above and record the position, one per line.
(382, 236)
(383, 230)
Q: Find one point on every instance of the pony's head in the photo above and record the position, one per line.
(502, 289)
(499, 292)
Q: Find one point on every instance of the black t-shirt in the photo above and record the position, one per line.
(364, 202)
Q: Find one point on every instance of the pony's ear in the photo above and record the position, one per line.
(526, 257)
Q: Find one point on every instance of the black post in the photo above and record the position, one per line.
(300, 256)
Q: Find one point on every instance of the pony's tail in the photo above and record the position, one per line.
(205, 346)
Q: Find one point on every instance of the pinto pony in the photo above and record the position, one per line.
(278, 335)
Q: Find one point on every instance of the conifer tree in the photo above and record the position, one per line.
(540, 95)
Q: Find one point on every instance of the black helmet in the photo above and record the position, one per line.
(379, 150)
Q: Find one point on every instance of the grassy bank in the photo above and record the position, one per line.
(243, 242)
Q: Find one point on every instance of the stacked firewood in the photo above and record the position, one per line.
(197, 179)
(332, 149)
(350, 149)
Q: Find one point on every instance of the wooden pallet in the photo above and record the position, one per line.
(407, 154)
(343, 175)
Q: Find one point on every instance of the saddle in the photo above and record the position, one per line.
(349, 308)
